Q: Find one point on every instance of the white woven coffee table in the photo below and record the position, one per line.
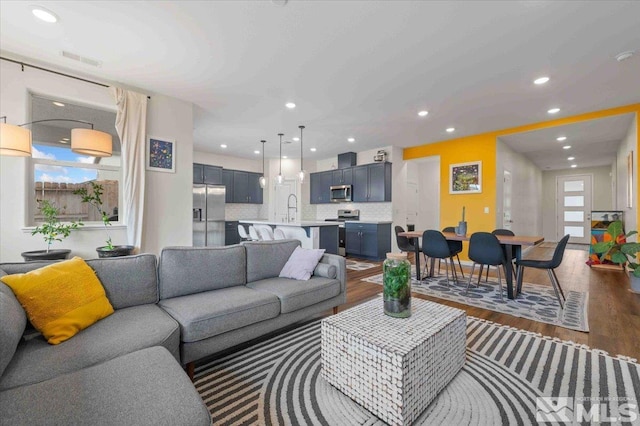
(394, 367)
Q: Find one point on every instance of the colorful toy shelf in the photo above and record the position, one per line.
(600, 220)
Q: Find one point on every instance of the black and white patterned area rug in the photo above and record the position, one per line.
(535, 302)
(278, 382)
(354, 265)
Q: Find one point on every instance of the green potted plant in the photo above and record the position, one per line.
(51, 230)
(95, 199)
(616, 249)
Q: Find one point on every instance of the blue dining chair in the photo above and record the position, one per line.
(513, 253)
(455, 247)
(406, 245)
(485, 249)
(550, 265)
(435, 246)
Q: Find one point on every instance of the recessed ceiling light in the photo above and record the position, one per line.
(451, 129)
(624, 55)
(571, 158)
(423, 113)
(44, 14)
(561, 138)
(351, 140)
(256, 152)
(554, 110)
(284, 156)
(60, 104)
(223, 146)
(541, 80)
(296, 139)
(566, 147)
(313, 150)
(290, 105)
(573, 166)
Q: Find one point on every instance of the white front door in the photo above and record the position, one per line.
(506, 200)
(412, 203)
(574, 208)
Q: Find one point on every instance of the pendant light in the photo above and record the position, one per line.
(263, 180)
(301, 173)
(280, 178)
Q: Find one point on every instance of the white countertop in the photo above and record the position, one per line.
(299, 224)
(369, 222)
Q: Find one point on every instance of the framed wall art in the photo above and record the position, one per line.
(465, 178)
(161, 154)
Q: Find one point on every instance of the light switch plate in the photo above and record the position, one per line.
(486, 209)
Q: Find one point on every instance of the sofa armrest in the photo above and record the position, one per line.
(341, 268)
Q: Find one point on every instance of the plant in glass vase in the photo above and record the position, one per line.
(51, 229)
(95, 199)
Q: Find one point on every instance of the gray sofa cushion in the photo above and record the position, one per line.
(211, 313)
(147, 387)
(128, 281)
(188, 270)
(13, 321)
(294, 294)
(265, 259)
(125, 331)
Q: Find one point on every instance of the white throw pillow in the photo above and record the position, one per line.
(301, 263)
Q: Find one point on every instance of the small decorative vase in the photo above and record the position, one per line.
(462, 228)
(396, 272)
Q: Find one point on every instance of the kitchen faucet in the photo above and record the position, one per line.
(289, 206)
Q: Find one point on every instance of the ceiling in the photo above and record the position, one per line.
(354, 68)
(591, 143)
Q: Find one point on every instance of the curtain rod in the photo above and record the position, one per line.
(24, 64)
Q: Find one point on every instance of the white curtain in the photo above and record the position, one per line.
(131, 124)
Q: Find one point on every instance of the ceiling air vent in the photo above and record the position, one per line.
(80, 58)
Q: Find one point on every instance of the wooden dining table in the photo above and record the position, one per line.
(509, 241)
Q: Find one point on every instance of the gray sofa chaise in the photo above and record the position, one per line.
(121, 370)
(225, 296)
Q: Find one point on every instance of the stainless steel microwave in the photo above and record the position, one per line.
(340, 193)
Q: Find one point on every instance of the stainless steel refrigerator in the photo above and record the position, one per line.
(208, 215)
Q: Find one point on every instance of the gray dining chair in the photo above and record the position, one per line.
(434, 245)
(550, 265)
(485, 249)
(407, 245)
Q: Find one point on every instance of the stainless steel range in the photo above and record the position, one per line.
(343, 216)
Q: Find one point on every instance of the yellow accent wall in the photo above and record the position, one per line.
(483, 147)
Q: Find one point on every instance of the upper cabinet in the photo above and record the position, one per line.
(198, 173)
(240, 186)
(203, 173)
(342, 176)
(319, 187)
(371, 183)
(213, 175)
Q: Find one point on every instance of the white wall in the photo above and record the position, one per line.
(628, 144)
(168, 196)
(600, 200)
(526, 201)
(163, 223)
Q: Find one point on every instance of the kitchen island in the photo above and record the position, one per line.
(312, 234)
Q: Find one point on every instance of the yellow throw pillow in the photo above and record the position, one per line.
(61, 299)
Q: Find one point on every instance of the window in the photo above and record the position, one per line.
(57, 171)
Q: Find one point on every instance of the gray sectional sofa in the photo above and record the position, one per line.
(123, 370)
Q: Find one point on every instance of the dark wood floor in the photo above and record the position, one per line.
(614, 312)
